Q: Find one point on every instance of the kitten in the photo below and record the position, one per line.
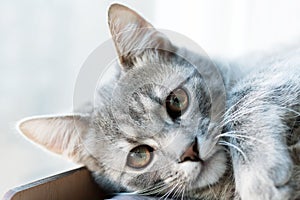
(155, 129)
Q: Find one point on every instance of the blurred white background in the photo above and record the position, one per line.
(44, 43)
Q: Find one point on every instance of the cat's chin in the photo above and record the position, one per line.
(208, 172)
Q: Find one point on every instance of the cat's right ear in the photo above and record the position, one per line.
(59, 134)
(132, 35)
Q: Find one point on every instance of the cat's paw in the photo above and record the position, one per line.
(266, 192)
(265, 185)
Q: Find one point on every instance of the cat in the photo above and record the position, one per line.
(152, 131)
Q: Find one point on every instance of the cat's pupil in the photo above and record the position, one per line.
(139, 154)
(176, 102)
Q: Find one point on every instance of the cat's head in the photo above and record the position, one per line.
(152, 129)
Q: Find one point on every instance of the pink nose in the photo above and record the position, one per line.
(191, 153)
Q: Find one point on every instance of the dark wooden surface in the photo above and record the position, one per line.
(76, 184)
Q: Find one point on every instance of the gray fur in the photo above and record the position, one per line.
(255, 157)
(264, 110)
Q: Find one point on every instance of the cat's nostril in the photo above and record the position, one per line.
(191, 153)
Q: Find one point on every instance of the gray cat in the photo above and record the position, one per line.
(155, 130)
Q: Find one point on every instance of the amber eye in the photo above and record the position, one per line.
(177, 102)
(140, 156)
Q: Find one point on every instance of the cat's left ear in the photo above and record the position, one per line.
(132, 35)
(59, 134)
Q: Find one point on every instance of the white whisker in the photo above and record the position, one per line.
(152, 189)
(174, 186)
(235, 147)
(182, 196)
(239, 136)
(177, 190)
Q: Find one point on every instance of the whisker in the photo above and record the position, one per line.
(181, 187)
(177, 190)
(260, 95)
(239, 136)
(174, 186)
(159, 188)
(183, 193)
(236, 115)
(228, 117)
(152, 189)
(235, 147)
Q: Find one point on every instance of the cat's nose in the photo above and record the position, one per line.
(191, 153)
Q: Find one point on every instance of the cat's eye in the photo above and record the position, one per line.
(140, 156)
(177, 103)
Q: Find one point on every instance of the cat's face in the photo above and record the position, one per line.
(158, 110)
(155, 132)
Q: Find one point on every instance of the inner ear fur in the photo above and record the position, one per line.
(59, 134)
(133, 35)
